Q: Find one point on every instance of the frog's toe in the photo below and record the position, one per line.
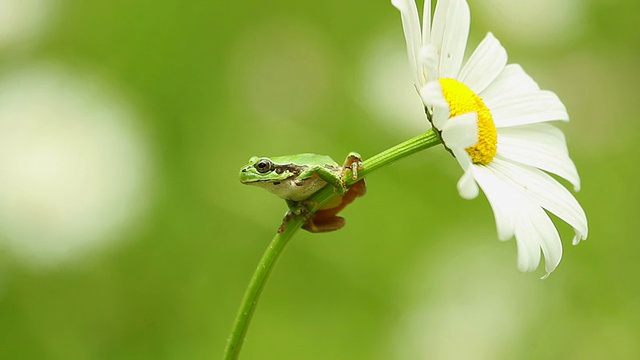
(354, 155)
(353, 162)
(341, 189)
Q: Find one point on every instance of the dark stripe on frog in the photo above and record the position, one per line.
(295, 170)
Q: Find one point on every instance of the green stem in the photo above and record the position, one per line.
(409, 147)
(291, 224)
(258, 281)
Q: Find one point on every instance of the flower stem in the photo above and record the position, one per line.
(291, 224)
(258, 281)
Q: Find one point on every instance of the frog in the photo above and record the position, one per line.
(295, 178)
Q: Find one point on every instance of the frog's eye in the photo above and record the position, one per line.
(264, 166)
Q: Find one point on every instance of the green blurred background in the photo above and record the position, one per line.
(125, 234)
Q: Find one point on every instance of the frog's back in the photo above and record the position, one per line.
(305, 159)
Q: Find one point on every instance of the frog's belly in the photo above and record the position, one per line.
(290, 190)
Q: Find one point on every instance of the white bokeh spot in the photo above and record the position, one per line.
(541, 23)
(386, 87)
(23, 20)
(467, 306)
(74, 166)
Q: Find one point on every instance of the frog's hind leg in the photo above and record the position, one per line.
(324, 221)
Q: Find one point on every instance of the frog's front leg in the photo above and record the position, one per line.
(353, 162)
(331, 174)
(326, 219)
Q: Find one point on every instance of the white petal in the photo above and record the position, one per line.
(467, 187)
(461, 131)
(501, 198)
(485, 64)
(449, 34)
(518, 213)
(426, 22)
(549, 240)
(534, 232)
(577, 238)
(439, 22)
(429, 59)
(528, 241)
(529, 108)
(433, 99)
(547, 191)
(539, 145)
(462, 157)
(411, 27)
(512, 81)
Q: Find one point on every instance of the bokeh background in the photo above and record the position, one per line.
(125, 234)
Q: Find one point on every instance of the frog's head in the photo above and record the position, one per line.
(261, 170)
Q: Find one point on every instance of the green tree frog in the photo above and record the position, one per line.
(296, 177)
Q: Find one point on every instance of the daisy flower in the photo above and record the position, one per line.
(494, 119)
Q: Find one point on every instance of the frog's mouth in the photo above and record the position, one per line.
(255, 181)
(259, 181)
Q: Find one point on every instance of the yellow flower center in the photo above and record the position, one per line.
(462, 100)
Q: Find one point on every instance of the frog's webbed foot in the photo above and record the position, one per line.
(320, 221)
(296, 209)
(283, 226)
(353, 162)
